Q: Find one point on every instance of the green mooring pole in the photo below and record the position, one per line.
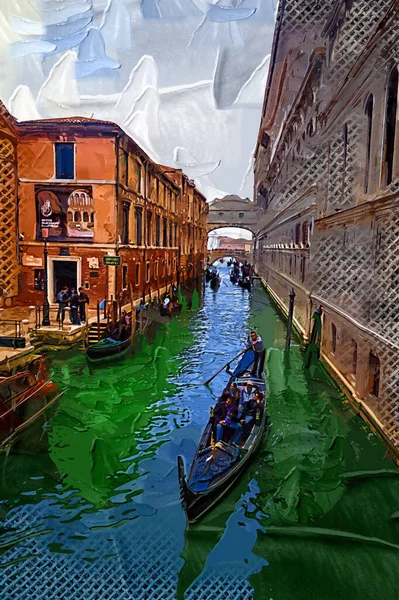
(290, 318)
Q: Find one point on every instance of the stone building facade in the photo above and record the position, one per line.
(327, 182)
(92, 192)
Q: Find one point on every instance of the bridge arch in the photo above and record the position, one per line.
(233, 211)
(240, 255)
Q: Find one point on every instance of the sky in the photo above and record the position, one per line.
(184, 78)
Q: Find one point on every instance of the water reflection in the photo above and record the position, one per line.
(100, 513)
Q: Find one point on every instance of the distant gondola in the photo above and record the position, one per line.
(208, 274)
(215, 468)
(233, 277)
(245, 283)
(107, 349)
(215, 281)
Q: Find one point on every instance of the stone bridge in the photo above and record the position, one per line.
(240, 255)
(233, 211)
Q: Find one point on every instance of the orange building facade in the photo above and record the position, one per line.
(92, 192)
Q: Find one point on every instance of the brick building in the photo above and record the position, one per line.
(327, 181)
(93, 192)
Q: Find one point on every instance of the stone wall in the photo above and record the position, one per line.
(321, 160)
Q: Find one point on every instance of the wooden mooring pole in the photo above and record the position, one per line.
(290, 319)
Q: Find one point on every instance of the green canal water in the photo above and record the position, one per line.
(91, 509)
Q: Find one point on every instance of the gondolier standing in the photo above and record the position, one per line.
(257, 346)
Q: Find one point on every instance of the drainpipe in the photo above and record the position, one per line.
(118, 137)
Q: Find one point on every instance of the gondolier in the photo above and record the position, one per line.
(257, 346)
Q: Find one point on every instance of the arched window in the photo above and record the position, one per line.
(305, 232)
(354, 357)
(86, 217)
(76, 217)
(374, 375)
(369, 114)
(333, 337)
(390, 127)
(92, 217)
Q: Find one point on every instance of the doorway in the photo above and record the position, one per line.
(65, 272)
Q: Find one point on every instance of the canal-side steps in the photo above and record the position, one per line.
(92, 336)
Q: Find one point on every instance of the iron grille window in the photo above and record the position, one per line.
(390, 124)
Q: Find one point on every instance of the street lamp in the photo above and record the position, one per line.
(46, 305)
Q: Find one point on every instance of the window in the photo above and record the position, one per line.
(374, 375)
(148, 272)
(390, 127)
(139, 172)
(298, 234)
(174, 265)
(156, 269)
(157, 190)
(354, 357)
(303, 268)
(76, 217)
(126, 169)
(163, 268)
(125, 222)
(369, 114)
(137, 274)
(64, 161)
(175, 235)
(333, 337)
(170, 234)
(149, 236)
(124, 276)
(165, 232)
(305, 233)
(157, 230)
(139, 226)
(165, 192)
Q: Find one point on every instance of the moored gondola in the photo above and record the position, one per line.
(107, 349)
(216, 467)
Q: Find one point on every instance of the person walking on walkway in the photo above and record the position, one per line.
(257, 346)
(83, 300)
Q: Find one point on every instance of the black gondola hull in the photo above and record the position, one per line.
(216, 467)
(97, 353)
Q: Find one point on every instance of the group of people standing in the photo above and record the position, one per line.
(76, 301)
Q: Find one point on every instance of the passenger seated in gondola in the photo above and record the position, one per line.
(226, 415)
(254, 405)
(234, 393)
(165, 308)
(246, 395)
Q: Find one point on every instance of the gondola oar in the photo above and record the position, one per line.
(208, 381)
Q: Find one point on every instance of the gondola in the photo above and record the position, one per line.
(215, 468)
(107, 349)
(215, 282)
(208, 274)
(233, 278)
(245, 283)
